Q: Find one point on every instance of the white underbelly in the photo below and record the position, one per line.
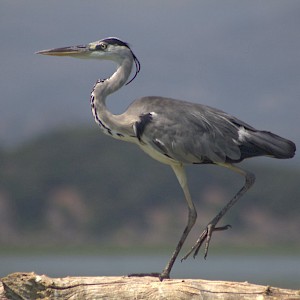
(158, 156)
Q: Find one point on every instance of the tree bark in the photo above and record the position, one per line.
(32, 286)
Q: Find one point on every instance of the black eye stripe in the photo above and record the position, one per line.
(115, 41)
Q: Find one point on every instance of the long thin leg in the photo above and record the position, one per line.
(192, 216)
(207, 233)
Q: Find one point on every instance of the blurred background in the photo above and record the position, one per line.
(68, 192)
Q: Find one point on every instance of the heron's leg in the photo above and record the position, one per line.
(207, 233)
(192, 216)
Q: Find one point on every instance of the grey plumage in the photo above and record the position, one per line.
(176, 133)
(201, 134)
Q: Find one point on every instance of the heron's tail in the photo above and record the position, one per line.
(264, 143)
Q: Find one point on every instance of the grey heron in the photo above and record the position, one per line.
(176, 133)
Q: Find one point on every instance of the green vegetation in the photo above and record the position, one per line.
(78, 186)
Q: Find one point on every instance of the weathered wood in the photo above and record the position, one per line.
(33, 286)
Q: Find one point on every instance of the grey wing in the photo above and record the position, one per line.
(189, 133)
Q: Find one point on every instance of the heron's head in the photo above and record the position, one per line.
(107, 49)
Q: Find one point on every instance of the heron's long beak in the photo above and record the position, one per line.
(75, 51)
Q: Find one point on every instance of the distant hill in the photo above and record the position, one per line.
(78, 186)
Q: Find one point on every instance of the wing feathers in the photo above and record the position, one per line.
(194, 133)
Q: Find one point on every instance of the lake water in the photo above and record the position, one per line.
(274, 270)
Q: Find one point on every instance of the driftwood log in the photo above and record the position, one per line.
(32, 286)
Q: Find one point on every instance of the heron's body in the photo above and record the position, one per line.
(203, 135)
(176, 132)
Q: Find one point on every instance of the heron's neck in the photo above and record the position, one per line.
(111, 124)
(118, 79)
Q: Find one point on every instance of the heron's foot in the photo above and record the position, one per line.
(204, 237)
(163, 275)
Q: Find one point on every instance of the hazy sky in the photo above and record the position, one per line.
(240, 56)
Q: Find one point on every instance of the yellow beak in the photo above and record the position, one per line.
(75, 51)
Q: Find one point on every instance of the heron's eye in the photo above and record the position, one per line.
(101, 46)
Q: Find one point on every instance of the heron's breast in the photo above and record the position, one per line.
(158, 155)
